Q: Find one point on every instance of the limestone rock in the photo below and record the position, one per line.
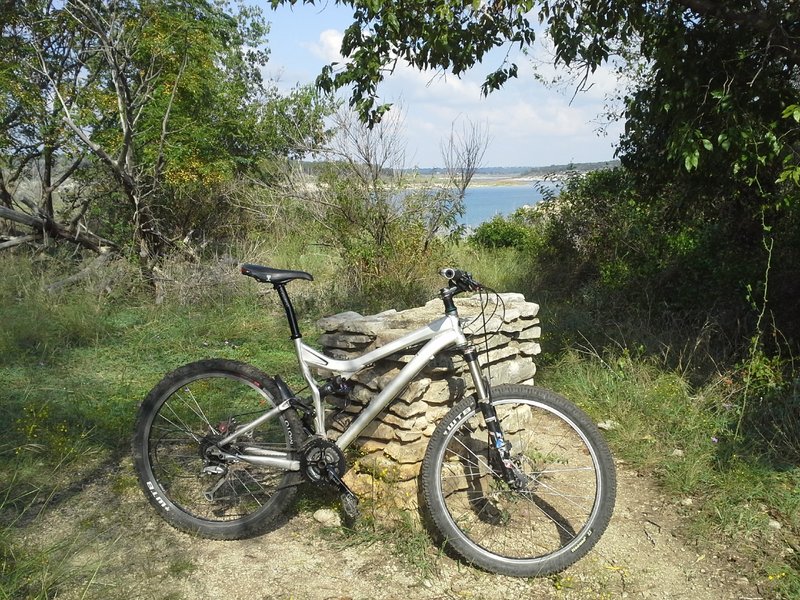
(394, 443)
(327, 518)
(336, 322)
(406, 453)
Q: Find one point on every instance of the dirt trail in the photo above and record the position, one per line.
(134, 555)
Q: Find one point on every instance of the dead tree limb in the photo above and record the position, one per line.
(19, 240)
(100, 261)
(43, 226)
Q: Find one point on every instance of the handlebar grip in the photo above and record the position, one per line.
(451, 274)
(461, 279)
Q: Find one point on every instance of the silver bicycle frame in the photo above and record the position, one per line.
(439, 334)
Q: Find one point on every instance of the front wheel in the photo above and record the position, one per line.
(178, 463)
(560, 503)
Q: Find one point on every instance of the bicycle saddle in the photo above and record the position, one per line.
(273, 276)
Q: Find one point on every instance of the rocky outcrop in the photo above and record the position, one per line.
(392, 447)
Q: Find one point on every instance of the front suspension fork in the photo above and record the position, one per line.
(498, 445)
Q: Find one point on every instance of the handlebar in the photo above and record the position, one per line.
(460, 280)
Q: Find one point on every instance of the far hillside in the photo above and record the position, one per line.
(527, 171)
(570, 168)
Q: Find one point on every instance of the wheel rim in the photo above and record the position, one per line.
(554, 515)
(192, 417)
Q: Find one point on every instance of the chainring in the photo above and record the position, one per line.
(319, 457)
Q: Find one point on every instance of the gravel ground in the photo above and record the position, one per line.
(119, 548)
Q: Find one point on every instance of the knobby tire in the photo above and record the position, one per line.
(534, 529)
(182, 416)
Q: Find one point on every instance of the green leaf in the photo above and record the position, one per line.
(790, 173)
(691, 160)
(793, 111)
(393, 23)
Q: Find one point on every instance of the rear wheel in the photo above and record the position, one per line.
(185, 478)
(556, 511)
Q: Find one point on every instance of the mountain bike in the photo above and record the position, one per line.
(515, 479)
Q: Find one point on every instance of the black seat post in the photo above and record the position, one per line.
(290, 314)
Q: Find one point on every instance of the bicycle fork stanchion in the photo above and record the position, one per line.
(510, 472)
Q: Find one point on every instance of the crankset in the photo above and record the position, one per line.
(319, 458)
(322, 462)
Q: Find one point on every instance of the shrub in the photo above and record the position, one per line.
(501, 232)
(385, 226)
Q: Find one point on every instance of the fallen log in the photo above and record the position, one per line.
(105, 256)
(46, 226)
(22, 239)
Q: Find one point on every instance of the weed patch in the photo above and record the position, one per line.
(656, 421)
(408, 539)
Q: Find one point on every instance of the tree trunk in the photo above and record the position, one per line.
(47, 182)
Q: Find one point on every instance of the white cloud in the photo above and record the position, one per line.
(529, 123)
(328, 46)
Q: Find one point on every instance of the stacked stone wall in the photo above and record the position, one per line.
(392, 447)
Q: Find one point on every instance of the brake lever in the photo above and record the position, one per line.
(469, 284)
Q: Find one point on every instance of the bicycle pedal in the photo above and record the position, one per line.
(350, 507)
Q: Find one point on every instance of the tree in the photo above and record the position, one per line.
(719, 76)
(33, 144)
(462, 153)
(165, 98)
(712, 134)
(382, 220)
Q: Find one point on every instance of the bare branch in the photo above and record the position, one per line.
(70, 121)
(17, 241)
(165, 121)
(43, 225)
(67, 173)
(100, 261)
(463, 154)
(107, 31)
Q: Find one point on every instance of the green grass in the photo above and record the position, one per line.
(408, 539)
(74, 367)
(29, 572)
(502, 269)
(684, 436)
(73, 370)
(93, 388)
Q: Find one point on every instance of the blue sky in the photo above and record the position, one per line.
(529, 124)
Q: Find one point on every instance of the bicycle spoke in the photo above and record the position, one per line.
(186, 423)
(196, 409)
(185, 428)
(557, 494)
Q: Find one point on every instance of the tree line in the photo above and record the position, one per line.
(145, 127)
(710, 154)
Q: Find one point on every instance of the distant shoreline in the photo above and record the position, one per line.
(501, 176)
(489, 181)
(504, 180)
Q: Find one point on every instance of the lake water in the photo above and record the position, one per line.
(484, 202)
